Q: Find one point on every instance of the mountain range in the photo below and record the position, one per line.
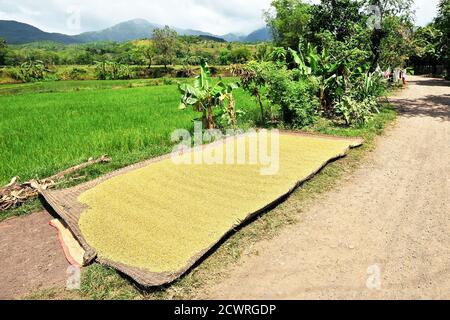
(20, 33)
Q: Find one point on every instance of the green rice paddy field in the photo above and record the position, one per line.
(47, 127)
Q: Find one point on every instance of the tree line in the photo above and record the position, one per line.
(379, 31)
(382, 30)
(165, 48)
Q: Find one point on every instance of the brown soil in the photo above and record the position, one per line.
(31, 256)
(392, 214)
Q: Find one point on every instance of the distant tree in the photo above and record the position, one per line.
(397, 44)
(83, 58)
(263, 52)
(401, 9)
(205, 55)
(240, 55)
(336, 16)
(288, 21)
(165, 41)
(149, 53)
(442, 23)
(224, 57)
(427, 46)
(3, 49)
(184, 48)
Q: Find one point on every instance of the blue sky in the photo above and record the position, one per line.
(218, 17)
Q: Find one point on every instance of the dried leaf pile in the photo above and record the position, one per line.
(15, 193)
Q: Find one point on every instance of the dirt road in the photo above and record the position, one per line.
(31, 256)
(382, 233)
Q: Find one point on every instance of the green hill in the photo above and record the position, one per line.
(20, 33)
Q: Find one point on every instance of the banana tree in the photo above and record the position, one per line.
(204, 97)
(229, 111)
(320, 66)
(33, 70)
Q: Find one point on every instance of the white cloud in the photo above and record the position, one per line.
(218, 17)
(426, 11)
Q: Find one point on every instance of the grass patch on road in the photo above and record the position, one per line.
(99, 282)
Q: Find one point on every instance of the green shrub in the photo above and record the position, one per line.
(356, 113)
(301, 104)
(185, 72)
(294, 95)
(76, 74)
(240, 55)
(369, 85)
(113, 71)
(168, 81)
(33, 70)
(224, 57)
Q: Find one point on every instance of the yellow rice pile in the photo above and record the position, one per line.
(159, 217)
